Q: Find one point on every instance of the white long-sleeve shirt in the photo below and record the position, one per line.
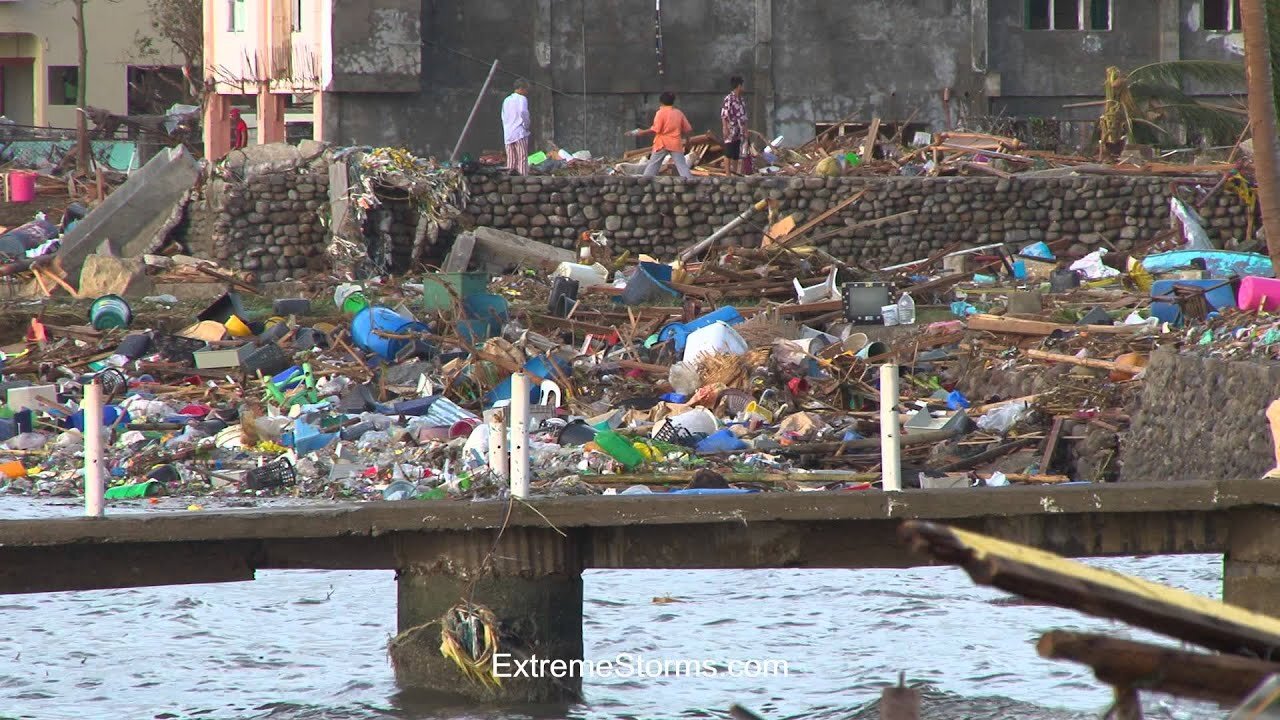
(515, 118)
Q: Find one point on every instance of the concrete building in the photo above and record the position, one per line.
(598, 66)
(273, 54)
(39, 66)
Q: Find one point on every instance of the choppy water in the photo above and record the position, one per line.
(311, 644)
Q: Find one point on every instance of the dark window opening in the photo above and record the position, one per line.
(64, 84)
(1100, 14)
(1038, 14)
(1235, 15)
(1066, 14)
(1217, 14)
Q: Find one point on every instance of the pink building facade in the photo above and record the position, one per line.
(269, 50)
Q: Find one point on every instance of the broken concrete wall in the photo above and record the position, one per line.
(127, 221)
(665, 215)
(272, 224)
(1201, 418)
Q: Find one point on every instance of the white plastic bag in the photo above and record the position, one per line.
(1000, 419)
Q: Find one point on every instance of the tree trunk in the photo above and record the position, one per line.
(82, 88)
(1262, 115)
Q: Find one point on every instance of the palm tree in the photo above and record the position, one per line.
(1262, 115)
(1144, 105)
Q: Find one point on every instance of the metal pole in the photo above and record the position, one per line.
(706, 243)
(498, 463)
(520, 434)
(91, 405)
(890, 450)
(474, 109)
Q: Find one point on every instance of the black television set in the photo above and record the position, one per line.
(863, 300)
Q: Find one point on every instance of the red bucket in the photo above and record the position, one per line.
(22, 186)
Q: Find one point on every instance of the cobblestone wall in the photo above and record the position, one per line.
(664, 215)
(271, 224)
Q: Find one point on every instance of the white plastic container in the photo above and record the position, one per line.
(890, 314)
(586, 275)
(716, 338)
(700, 420)
(906, 310)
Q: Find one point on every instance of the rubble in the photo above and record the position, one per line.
(697, 368)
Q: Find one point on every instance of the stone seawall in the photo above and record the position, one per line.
(272, 224)
(664, 215)
(1200, 418)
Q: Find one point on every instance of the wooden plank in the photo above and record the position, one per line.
(1016, 326)
(799, 232)
(869, 144)
(1051, 444)
(779, 229)
(1082, 362)
(1049, 578)
(1224, 679)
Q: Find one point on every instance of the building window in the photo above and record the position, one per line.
(64, 84)
(238, 17)
(1221, 15)
(297, 15)
(1068, 14)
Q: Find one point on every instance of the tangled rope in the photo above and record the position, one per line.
(469, 637)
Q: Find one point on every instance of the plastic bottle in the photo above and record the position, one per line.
(906, 310)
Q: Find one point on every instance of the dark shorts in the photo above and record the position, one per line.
(733, 150)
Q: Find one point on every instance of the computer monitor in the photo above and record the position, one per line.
(863, 300)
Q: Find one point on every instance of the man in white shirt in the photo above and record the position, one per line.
(515, 128)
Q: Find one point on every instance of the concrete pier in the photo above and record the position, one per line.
(1251, 563)
(529, 578)
(523, 562)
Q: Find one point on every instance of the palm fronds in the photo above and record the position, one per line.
(1176, 73)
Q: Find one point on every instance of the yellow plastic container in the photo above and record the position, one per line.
(237, 328)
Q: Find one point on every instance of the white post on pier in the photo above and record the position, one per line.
(91, 406)
(520, 388)
(498, 462)
(890, 449)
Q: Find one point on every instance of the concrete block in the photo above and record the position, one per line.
(127, 277)
(127, 221)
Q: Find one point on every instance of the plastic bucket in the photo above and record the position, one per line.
(22, 186)
(716, 338)
(680, 331)
(649, 283)
(110, 311)
(564, 294)
(371, 320)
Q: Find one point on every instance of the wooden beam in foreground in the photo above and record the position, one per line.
(1223, 679)
(1054, 580)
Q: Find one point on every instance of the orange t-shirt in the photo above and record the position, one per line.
(668, 125)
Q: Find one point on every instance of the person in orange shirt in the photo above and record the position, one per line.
(670, 126)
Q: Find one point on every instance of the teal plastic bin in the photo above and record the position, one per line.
(436, 286)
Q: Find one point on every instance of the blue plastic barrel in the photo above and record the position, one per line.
(681, 331)
(384, 320)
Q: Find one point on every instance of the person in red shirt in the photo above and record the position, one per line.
(239, 130)
(670, 127)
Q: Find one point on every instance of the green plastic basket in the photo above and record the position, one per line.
(436, 286)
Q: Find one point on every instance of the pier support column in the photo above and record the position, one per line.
(530, 579)
(1251, 565)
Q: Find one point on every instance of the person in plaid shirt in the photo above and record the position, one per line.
(733, 120)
